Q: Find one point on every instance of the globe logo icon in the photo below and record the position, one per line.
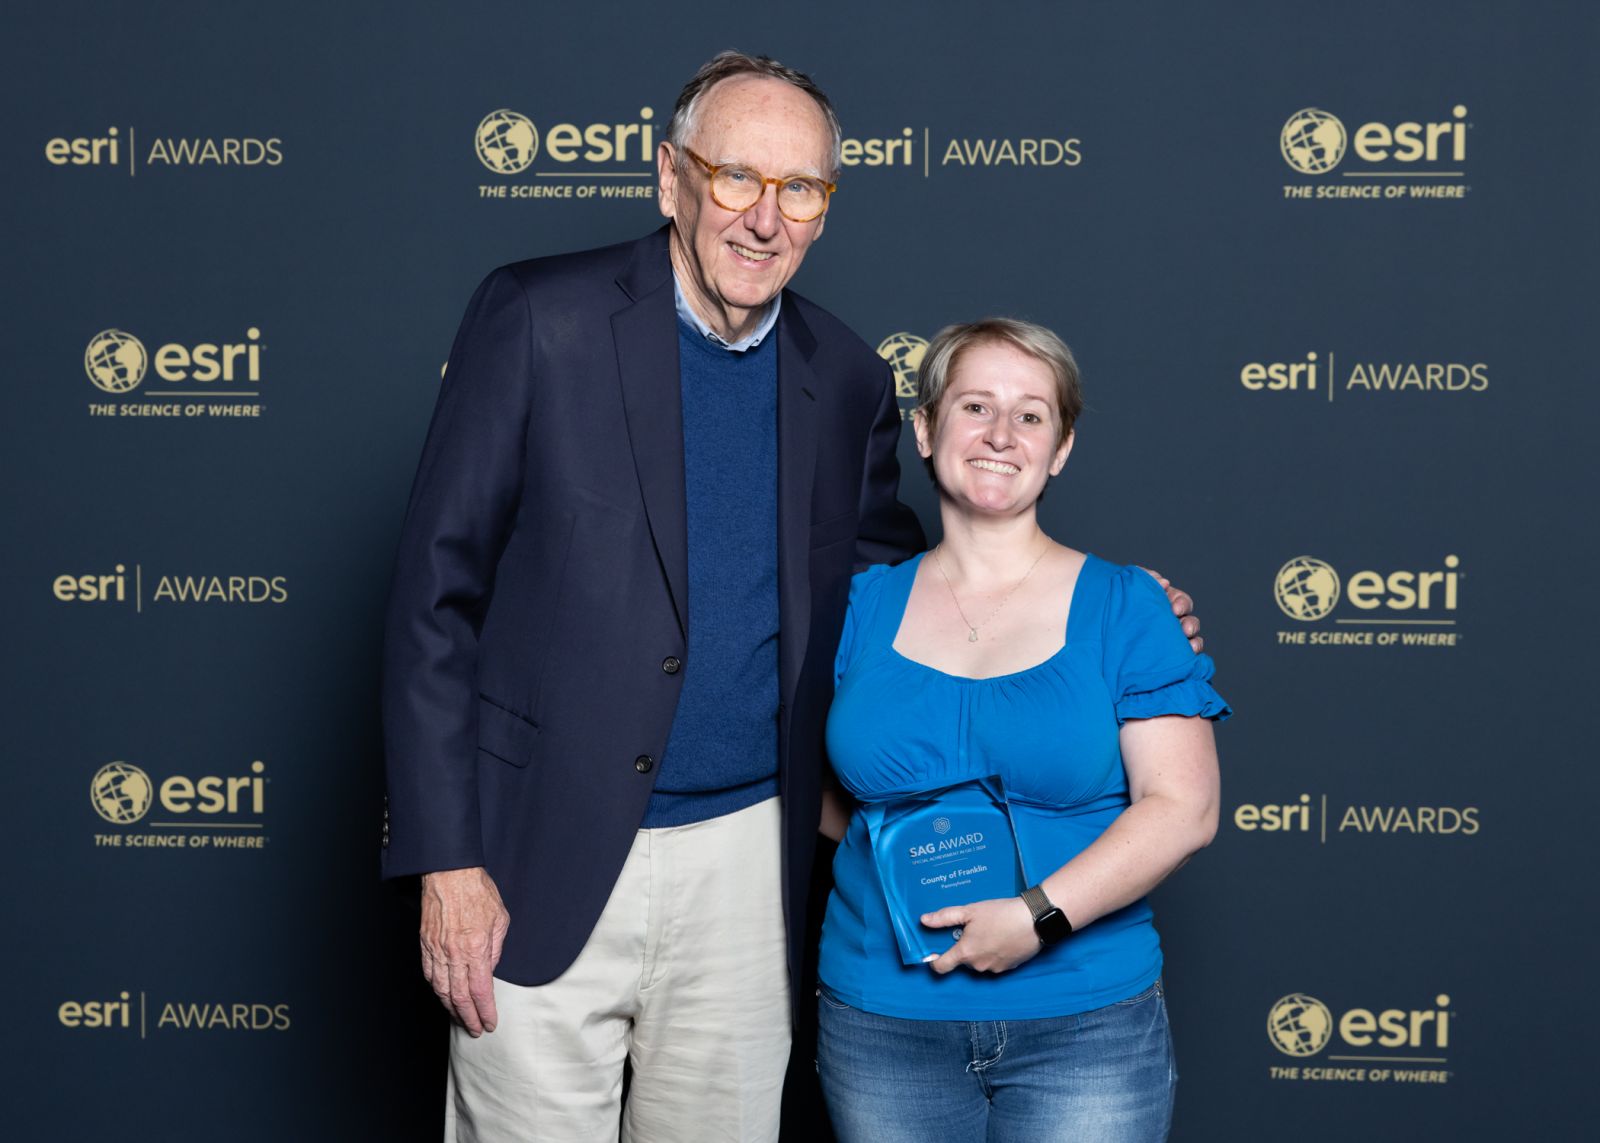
(1299, 1025)
(506, 142)
(1313, 141)
(941, 825)
(1306, 588)
(904, 353)
(115, 361)
(121, 792)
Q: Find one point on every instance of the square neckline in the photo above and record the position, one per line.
(1066, 635)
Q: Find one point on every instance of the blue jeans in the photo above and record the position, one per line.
(1105, 1075)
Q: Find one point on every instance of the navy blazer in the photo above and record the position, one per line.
(538, 615)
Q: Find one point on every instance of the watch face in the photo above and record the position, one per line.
(1053, 926)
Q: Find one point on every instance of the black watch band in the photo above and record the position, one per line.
(1049, 923)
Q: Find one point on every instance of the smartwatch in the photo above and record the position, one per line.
(1049, 922)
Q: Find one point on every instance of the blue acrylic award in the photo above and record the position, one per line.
(951, 846)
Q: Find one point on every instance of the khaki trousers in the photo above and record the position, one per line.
(685, 976)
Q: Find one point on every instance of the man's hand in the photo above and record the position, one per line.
(996, 935)
(463, 930)
(1183, 608)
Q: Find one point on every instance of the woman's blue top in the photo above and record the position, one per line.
(1050, 732)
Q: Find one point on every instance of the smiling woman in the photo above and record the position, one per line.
(1010, 656)
(1016, 403)
(1034, 342)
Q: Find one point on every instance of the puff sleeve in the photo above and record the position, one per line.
(1149, 666)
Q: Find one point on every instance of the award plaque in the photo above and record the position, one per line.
(951, 846)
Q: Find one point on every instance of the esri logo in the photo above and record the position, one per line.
(1312, 141)
(1316, 376)
(1299, 1025)
(225, 376)
(577, 160)
(204, 811)
(1305, 817)
(115, 361)
(121, 793)
(1406, 607)
(1378, 159)
(507, 142)
(83, 151)
(126, 1010)
(113, 1013)
(1306, 588)
(904, 353)
(1369, 1045)
(107, 152)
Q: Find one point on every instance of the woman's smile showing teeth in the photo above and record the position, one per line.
(750, 255)
(999, 466)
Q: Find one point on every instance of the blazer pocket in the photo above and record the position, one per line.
(505, 735)
(834, 529)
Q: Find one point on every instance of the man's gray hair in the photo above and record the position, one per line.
(727, 65)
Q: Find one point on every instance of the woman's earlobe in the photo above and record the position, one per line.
(1063, 451)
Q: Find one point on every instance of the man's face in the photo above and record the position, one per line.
(732, 263)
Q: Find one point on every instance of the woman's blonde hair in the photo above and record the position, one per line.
(947, 346)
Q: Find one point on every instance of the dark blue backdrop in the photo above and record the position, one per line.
(198, 554)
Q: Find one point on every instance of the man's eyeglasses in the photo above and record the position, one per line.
(734, 187)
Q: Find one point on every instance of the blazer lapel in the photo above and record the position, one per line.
(646, 337)
(798, 390)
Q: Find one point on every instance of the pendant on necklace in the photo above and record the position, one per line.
(972, 634)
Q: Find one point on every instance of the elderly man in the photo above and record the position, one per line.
(648, 479)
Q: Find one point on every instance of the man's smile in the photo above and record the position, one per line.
(750, 255)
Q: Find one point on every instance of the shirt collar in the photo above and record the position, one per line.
(756, 337)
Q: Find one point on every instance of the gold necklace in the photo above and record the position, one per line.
(972, 628)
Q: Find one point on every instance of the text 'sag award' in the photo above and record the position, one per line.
(951, 846)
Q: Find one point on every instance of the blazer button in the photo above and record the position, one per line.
(672, 664)
(644, 763)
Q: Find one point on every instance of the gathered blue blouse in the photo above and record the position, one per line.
(1050, 732)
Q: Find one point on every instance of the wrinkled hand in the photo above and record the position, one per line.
(996, 935)
(1183, 608)
(463, 930)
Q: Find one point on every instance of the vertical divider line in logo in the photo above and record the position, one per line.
(133, 149)
(141, 1014)
(1324, 819)
(1330, 376)
(138, 590)
(925, 145)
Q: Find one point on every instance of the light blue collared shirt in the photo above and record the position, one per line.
(756, 337)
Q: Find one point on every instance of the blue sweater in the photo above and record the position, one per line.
(722, 753)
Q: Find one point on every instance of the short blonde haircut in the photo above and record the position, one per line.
(947, 346)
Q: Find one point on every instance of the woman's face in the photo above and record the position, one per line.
(998, 436)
